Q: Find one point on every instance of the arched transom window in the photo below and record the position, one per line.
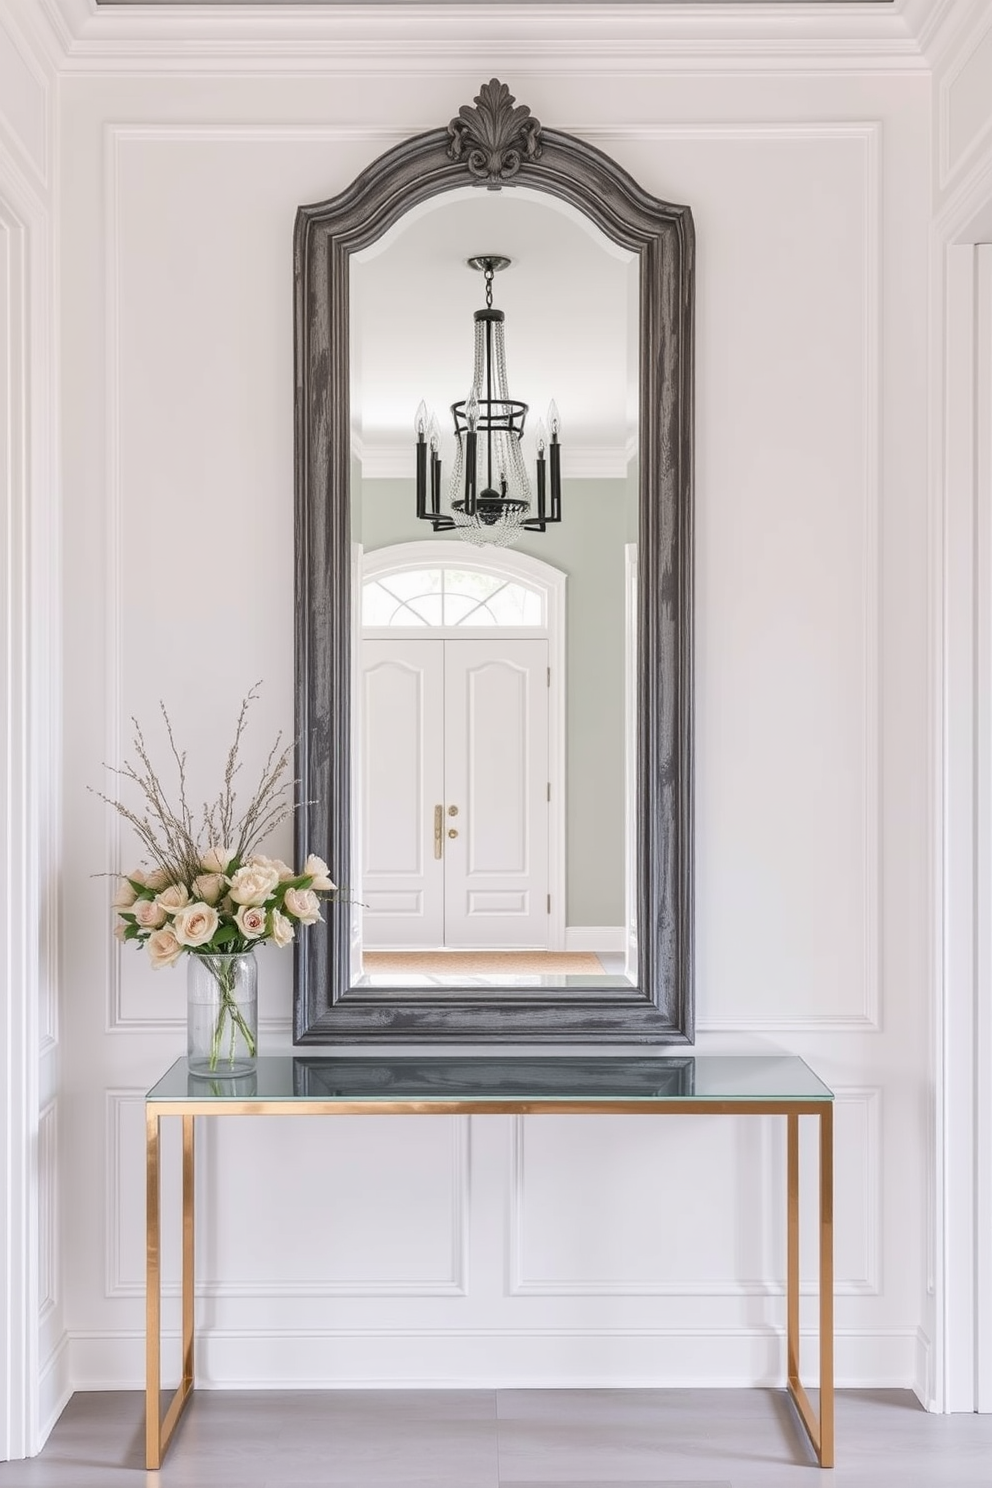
(451, 597)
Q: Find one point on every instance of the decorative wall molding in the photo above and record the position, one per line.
(120, 1107)
(866, 1283)
(869, 1018)
(16, 54)
(967, 46)
(498, 1358)
(923, 1384)
(868, 132)
(29, 794)
(49, 1215)
(55, 1387)
(549, 38)
(599, 463)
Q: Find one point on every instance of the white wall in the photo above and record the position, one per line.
(33, 1381)
(959, 1293)
(499, 1250)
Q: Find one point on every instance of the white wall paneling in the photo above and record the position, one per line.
(49, 1270)
(25, 110)
(765, 510)
(559, 37)
(635, 1242)
(29, 1308)
(479, 1358)
(963, 93)
(983, 1002)
(413, 1168)
(960, 1294)
(445, 1261)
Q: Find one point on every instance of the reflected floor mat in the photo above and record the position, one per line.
(484, 963)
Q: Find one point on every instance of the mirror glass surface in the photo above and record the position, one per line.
(493, 736)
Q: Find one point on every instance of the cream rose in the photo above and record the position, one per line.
(125, 896)
(156, 878)
(149, 914)
(282, 929)
(175, 897)
(250, 920)
(217, 859)
(283, 869)
(303, 905)
(253, 884)
(163, 948)
(194, 925)
(209, 887)
(120, 930)
(315, 868)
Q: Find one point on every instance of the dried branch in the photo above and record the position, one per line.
(166, 832)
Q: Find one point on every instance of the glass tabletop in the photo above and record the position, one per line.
(494, 1078)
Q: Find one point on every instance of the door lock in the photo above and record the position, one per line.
(452, 810)
(452, 832)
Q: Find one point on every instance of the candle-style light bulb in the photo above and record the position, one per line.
(434, 434)
(472, 411)
(554, 419)
(542, 437)
(420, 420)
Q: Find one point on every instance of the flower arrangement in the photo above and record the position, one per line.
(208, 892)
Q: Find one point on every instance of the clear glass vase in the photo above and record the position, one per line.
(221, 1014)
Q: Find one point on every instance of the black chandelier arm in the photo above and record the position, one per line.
(555, 458)
(432, 513)
(422, 478)
(470, 506)
(544, 517)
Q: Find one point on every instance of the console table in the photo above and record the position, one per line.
(644, 1085)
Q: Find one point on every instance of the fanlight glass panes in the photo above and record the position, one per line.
(450, 597)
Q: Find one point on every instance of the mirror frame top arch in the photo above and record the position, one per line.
(497, 145)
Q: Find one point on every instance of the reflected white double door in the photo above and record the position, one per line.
(455, 736)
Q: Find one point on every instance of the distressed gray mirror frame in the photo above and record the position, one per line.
(496, 145)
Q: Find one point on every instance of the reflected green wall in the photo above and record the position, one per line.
(589, 546)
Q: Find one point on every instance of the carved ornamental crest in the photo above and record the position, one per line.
(495, 138)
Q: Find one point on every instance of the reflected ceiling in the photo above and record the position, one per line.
(570, 300)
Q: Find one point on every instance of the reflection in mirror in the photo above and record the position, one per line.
(492, 732)
(393, 798)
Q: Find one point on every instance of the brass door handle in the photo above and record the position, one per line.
(438, 831)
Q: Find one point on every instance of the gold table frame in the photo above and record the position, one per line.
(159, 1429)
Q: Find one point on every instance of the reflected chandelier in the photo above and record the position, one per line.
(490, 493)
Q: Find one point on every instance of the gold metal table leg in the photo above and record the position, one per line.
(158, 1431)
(792, 1251)
(827, 1287)
(153, 1295)
(820, 1432)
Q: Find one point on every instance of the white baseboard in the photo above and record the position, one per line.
(594, 938)
(448, 1359)
(924, 1385)
(54, 1388)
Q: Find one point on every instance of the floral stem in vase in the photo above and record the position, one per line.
(222, 969)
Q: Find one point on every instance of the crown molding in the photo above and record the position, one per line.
(591, 462)
(341, 38)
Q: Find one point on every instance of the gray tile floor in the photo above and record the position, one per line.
(516, 1438)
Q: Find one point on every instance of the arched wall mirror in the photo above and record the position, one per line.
(495, 734)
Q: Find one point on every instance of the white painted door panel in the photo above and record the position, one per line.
(402, 781)
(459, 723)
(496, 774)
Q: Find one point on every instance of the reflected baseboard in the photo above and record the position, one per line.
(595, 938)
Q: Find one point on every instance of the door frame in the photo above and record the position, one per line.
(553, 582)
